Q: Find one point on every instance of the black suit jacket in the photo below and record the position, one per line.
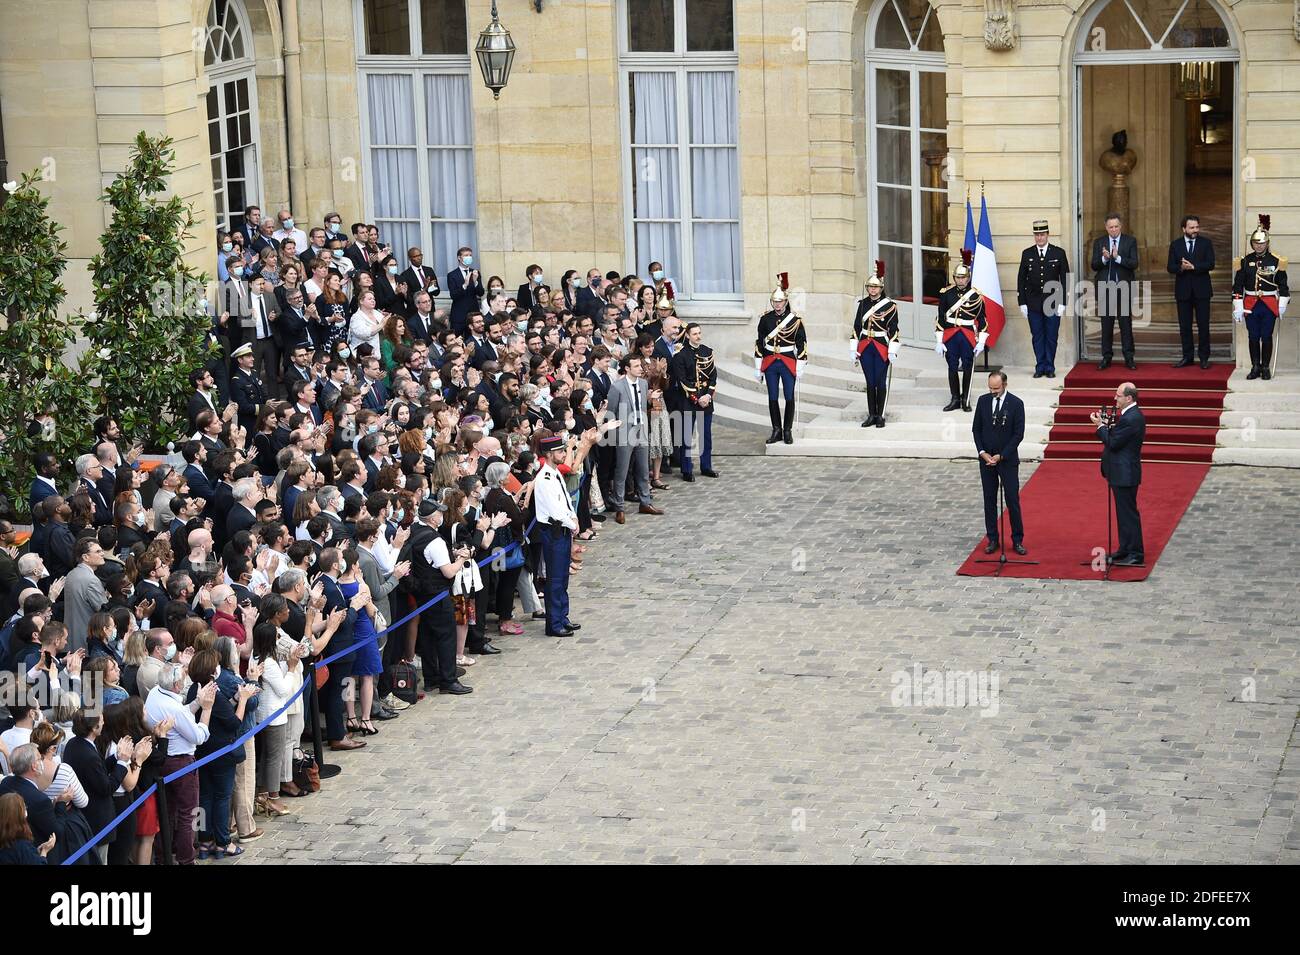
(1121, 457)
(238, 518)
(414, 284)
(588, 303)
(290, 329)
(1003, 436)
(386, 297)
(418, 328)
(99, 777)
(197, 405)
(1126, 270)
(103, 513)
(599, 388)
(465, 299)
(356, 257)
(41, 817)
(1195, 283)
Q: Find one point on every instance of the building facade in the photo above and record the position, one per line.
(729, 139)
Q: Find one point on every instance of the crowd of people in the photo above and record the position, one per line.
(351, 454)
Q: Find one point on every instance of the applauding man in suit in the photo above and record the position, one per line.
(1114, 262)
(1121, 465)
(998, 428)
(1191, 260)
(628, 406)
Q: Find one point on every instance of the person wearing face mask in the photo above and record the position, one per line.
(234, 304)
(391, 292)
(101, 638)
(533, 280)
(465, 287)
(159, 649)
(288, 230)
(226, 249)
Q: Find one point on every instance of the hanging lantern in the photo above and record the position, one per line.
(496, 52)
(1198, 81)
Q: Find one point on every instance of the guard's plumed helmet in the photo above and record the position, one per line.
(666, 297)
(963, 271)
(782, 287)
(1261, 234)
(877, 279)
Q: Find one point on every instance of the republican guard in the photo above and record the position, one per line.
(780, 353)
(1259, 298)
(876, 344)
(960, 331)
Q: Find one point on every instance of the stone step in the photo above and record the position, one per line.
(947, 430)
(1273, 439)
(1270, 420)
(1259, 457)
(876, 443)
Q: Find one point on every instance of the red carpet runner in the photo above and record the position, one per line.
(1065, 501)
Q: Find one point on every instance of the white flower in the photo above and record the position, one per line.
(11, 187)
(105, 354)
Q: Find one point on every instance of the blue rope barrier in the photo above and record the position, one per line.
(239, 743)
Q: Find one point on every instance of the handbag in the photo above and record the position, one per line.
(306, 774)
(322, 675)
(401, 677)
(506, 552)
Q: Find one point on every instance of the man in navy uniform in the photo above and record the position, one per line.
(1191, 260)
(246, 389)
(556, 523)
(1121, 465)
(998, 428)
(694, 370)
(1040, 290)
(780, 353)
(960, 331)
(1259, 298)
(1114, 265)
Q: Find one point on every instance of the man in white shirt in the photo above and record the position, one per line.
(557, 523)
(287, 230)
(186, 733)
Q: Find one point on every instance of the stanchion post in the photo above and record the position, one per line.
(318, 744)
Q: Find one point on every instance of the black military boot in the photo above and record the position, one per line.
(955, 403)
(787, 434)
(871, 408)
(880, 407)
(1266, 360)
(1254, 360)
(965, 390)
(774, 412)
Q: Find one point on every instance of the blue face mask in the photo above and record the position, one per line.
(537, 279)
(227, 246)
(657, 275)
(337, 253)
(237, 271)
(401, 513)
(288, 224)
(392, 270)
(372, 428)
(332, 227)
(467, 260)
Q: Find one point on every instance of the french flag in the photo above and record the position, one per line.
(984, 272)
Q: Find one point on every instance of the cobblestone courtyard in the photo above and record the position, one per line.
(722, 705)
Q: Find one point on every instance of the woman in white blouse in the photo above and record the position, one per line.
(277, 688)
(366, 324)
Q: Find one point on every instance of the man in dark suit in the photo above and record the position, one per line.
(45, 484)
(1041, 287)
(419, 278)
(1114, 265)
(419, 324)
(205, 396)
(99, 776)
(241, 516)
(998, 429)
(29, 779)
(589, 300)
(466, 290)
(89, 471)
(357, 252)
(666, 346)
(1121, 464)
(1191, 260)
(606, 459)
(291, 325)
(265, 238)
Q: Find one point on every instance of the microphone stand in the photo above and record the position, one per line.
(1002, 559)
(1107, 419)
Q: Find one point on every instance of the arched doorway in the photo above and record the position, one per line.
(907, 149)
(1165, 73)
(232, 111)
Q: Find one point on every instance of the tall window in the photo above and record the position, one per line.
(678, 74)
(417, 123)
(907, 107)
(232, 111)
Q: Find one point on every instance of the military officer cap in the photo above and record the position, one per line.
(1040, 225)
(242, 350)
(429, 507)
(552, 442)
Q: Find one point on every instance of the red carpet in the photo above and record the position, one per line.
(1065, 502)
(1064, 506)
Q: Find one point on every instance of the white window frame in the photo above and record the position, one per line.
(916, 318)
(680, 64)
(218, 74)
(417, 66)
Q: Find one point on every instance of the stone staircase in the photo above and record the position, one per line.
(831, 403)
(1260, 425)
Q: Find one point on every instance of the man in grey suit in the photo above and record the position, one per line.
(627, 405)
(381, 585)
(83, 594)
(1114, 266)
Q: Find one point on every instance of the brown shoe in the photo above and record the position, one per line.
(619, 518)
(648, 509)
(346, 744)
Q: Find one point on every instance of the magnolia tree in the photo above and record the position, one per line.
(46, 404)
(151, 324)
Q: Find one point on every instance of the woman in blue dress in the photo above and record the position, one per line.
(368, 663)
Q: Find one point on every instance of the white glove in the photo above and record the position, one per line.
(893, 350)
(1024, 310)
(1238, 310)
(758, 369)
(758, 376)
(979, 342)
(798, 366)
(939, 346)
(853, 350)
(1281, 304)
